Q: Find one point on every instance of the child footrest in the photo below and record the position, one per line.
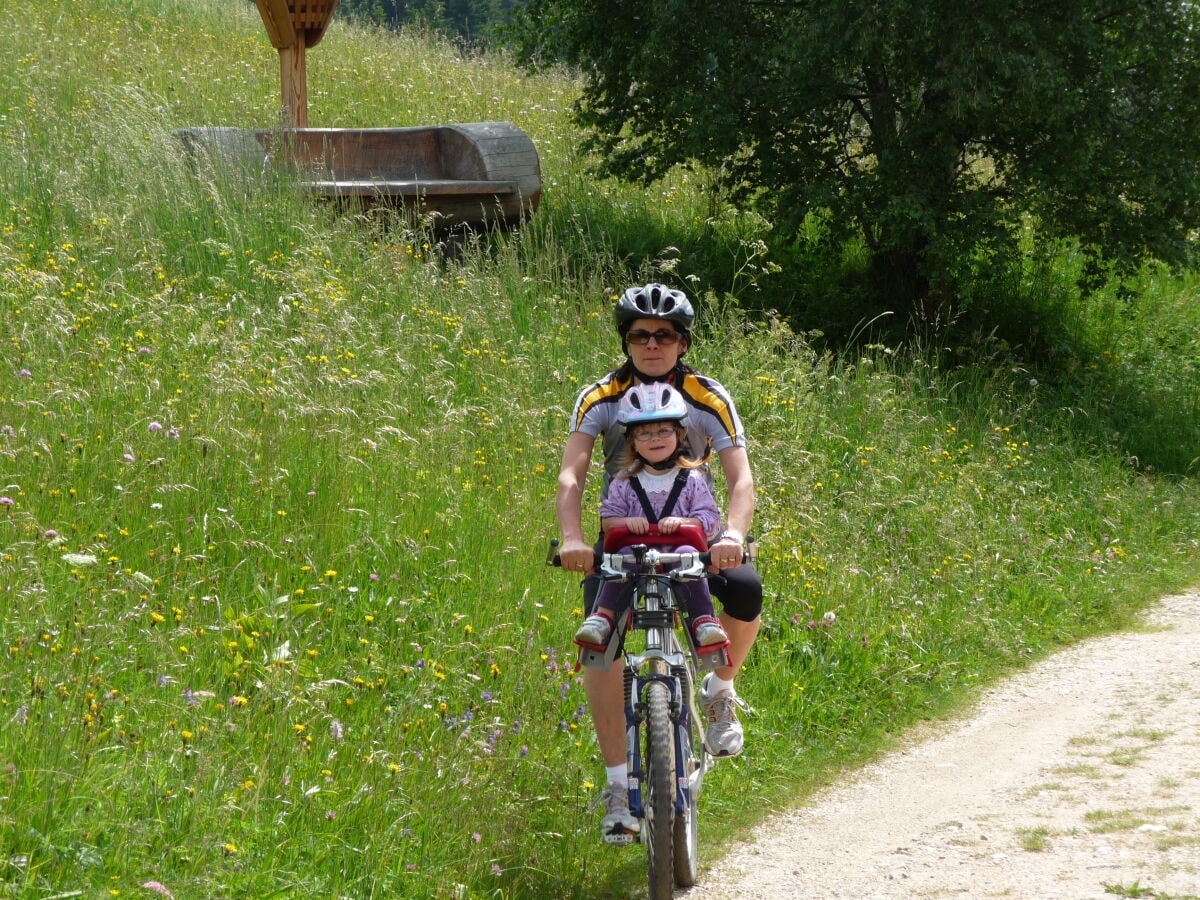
(714, 656)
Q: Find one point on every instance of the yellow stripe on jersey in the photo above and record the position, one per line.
(607, 391)
(699, 394)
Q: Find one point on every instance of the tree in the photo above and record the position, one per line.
(932, 131)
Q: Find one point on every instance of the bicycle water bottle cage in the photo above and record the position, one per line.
(619, 537)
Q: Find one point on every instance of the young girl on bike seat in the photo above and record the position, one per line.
(660, 485)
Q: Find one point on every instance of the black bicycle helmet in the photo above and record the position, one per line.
(654, 301)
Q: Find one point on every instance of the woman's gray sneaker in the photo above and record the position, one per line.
(618, 825)
(724, 737)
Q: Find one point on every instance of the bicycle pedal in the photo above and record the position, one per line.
(621, 838)
(725, 754)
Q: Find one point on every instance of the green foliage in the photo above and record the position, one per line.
(473, 20)
(928, 131)
(276, 481)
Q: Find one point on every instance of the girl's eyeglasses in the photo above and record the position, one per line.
(660, 433)
(664, 337)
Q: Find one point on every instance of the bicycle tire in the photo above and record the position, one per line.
(686, 829)
(660, 801)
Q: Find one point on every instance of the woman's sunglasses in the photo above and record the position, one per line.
(664, 337)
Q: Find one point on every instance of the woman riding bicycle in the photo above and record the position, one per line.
(655, 323)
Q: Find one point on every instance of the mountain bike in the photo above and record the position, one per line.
(664, 728)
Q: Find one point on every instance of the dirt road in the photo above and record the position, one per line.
(1077, 779)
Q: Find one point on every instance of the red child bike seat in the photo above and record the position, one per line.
(619, 537)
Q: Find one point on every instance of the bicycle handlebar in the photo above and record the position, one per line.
(651, 556)
(692, 566)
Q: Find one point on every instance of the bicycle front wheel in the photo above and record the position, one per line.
(659, 788)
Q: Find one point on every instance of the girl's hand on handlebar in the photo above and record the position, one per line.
(638, 524)
(670, 524)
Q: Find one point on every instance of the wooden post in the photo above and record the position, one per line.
(293, 26)
(293, 76)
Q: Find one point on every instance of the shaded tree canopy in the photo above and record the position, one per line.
(931, 131)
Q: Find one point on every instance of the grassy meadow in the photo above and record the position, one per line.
(276, 485)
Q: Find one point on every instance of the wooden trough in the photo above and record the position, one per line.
(481, 174)
(459, 176)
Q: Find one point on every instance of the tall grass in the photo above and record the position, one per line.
(276, 482)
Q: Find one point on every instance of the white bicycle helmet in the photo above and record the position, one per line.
(654, 301)
(643, 404)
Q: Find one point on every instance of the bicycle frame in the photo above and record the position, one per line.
(657, 613)
(664, 728)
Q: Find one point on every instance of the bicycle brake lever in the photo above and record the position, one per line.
(609, 572)
(698, 569)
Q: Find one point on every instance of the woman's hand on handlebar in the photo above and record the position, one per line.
(726, 553)
(577, 556)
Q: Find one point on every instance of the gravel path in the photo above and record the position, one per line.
(1077, 779)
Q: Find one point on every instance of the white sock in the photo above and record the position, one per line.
(716, 684)
(618, 774)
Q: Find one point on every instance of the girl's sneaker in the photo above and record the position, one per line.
(707, 631)
(595, 630)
